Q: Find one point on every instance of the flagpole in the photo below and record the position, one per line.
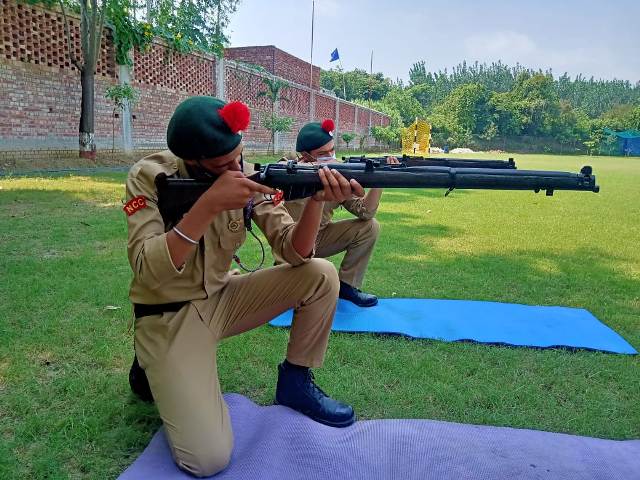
(370, 77)
(313, 10)
(344, 82)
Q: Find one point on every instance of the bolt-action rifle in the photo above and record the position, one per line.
(177, 195)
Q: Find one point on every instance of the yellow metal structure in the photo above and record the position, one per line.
(416, 138)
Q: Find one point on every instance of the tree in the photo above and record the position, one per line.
(92, 18)
(464, 113)
(635, 118)
(418, 73)
(405, 104)
(594, 97)
(391, 134)
(425, 94)
(620, 117)
(356, 84)
(190, 25)
(571, 126)
(504, 114)
(122, 96)
(521, 101)
(536, 102)
(362, 141)
(275, 123)
(347, 137)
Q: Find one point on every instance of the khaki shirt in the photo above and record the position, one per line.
(355, 206)
(206, 271)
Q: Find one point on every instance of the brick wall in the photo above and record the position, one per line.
(40, 90)
(295, 69)
(40, 108)
(347, 118)
(36, 36)
(277, 62)
(163, 79)
(162, 67)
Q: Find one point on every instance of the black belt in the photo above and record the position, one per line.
(142, 310)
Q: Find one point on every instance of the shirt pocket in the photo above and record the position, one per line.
(227, 234)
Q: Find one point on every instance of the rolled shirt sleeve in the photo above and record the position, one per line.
(277, 225)
(357, 207)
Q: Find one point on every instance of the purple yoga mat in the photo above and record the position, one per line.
(275, 442)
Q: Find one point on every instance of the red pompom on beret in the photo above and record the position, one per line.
(236, 115)
(328, 125)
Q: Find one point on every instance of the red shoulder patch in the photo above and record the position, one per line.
(278, 197)
(135, 204)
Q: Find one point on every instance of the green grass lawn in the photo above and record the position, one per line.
(65, 350)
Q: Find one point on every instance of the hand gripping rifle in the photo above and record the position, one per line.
(414, 161)
(177, 195)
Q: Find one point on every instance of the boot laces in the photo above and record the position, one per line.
(312, 380)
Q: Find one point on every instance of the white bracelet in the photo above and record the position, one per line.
(184, 237)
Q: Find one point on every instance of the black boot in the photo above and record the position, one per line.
(297, 390)
(139, 383)
(354, 295)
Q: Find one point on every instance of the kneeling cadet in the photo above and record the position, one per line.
(186, 301)
(355, 236)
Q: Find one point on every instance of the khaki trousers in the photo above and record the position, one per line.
(178, 352)
(356, 237)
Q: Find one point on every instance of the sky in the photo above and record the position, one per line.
(600, 39)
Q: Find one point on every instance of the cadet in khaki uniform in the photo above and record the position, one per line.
(186, 302)
(357, 237)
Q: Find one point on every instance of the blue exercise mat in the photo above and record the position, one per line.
(484, 322)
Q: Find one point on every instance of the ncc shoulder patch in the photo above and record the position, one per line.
(135, 204)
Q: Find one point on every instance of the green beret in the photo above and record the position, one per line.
(314, 135)
(205, 127)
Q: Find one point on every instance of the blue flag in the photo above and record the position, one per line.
(334, 56)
